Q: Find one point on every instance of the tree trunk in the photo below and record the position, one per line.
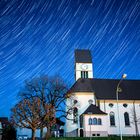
(136, 127)
(135, 120)
(48, 133)
(41, 132)
(33, 134)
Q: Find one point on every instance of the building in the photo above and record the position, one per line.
(57, 130)
(95, 103)
(3, 123)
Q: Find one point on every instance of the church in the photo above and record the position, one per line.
(102, 107)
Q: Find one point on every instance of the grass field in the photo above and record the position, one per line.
(99, 138)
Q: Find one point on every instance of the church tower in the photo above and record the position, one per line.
(83, 64)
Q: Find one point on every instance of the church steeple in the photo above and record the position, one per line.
(83, 64)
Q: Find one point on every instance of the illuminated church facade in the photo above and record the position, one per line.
(97, 112)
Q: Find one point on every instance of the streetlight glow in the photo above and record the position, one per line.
(124, 75)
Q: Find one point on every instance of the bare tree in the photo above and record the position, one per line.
(51, 92)
(135, 120)
(26, 114)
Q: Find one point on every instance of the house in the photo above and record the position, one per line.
(97, 111)
(3, 123)
(57, 129)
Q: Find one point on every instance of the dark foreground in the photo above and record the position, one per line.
(95, 138)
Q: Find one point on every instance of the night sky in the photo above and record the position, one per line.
(39, 37)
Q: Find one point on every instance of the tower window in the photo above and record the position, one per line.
(84, 74)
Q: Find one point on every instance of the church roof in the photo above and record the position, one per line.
(83, 56)
(93, 109)
(106, 88)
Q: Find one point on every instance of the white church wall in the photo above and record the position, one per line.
(105, 107)
(126, 130)
(83, 100)
(82, 105)
(114, 130)
(79, 66)
(137, 109)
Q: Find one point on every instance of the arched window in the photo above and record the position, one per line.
(126, 119)
(99, 121)
(112, 119)
(90, 121)
(94, 121)
(75, 115)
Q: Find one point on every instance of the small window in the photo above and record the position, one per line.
(90, 121)
(94, 121)
(82, 74)
(99, 121)
(112, 119)
(111, 105)
(98, 135)
(126, 119)
(86, 74)
(125, 105)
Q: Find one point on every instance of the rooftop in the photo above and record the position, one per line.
(83, 56)
(93, 109)
(106, 88)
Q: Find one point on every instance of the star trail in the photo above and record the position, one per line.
(39, 37)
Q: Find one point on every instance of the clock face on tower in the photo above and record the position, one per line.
(84, 66)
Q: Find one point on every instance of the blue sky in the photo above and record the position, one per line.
(39, 37)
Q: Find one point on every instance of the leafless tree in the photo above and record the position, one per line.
(53, 93)
(26, 114)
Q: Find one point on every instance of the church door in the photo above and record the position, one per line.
(81, 133)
